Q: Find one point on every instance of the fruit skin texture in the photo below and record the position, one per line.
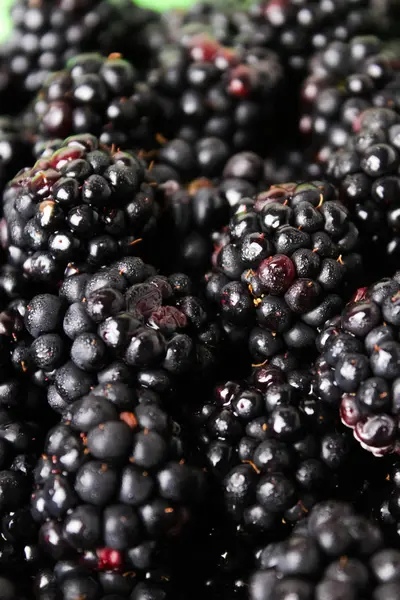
(113, 484)
(46, 36)
(346, 78)
(366, 173)
(274, 450)
(281, 266)
(103, 95)
(358, 367)
(333, 550)
(122, 323)
(196, 211)
(216, 99)
(291, 29)
(80, 202)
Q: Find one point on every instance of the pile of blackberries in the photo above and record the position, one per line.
(200, 301)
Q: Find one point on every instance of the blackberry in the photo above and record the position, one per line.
(345, 79)
(295, 30)
(99, 95)
(47, 34)
(366, 174)
(115, 486)
(124, 322)
(274, 449)
(195, 211)
(216, 99)
(280, 265)
(334, 553)
(357, 370)
(298, 29)
(80, 202)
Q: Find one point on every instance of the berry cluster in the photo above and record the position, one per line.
(216, 99)
(113, 484)
(122, 323)
(359, 365)
(281, 264)
(366, 171)
(46, 34)
(82, 202)
(275, 448)
(335, 553)
(345, 80)
(100, 95)
(199, 301)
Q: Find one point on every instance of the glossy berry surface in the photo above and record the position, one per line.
(123, 322)
(97, 94)
(273, 450)
(199, 358)
(24, 420)
(296, 30)
(346, 78)
(280, 265)
(334, 550)
(81, 202)
(357, 370)
(366, 171)
(46, 35)
(216, 99)
(113, 480)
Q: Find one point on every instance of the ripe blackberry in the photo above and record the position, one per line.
(124, 323)
(196, 211)
(99, 95)
(358, 366)
(345, 79)
(280, 265)
(295, 30)
(216, 99)
(334, 553)
(47, 34)
(274, 449)
(366, 174)
(298, 29)
(114, 486)
(80, 202)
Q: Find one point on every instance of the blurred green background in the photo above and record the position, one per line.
(155, 4)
